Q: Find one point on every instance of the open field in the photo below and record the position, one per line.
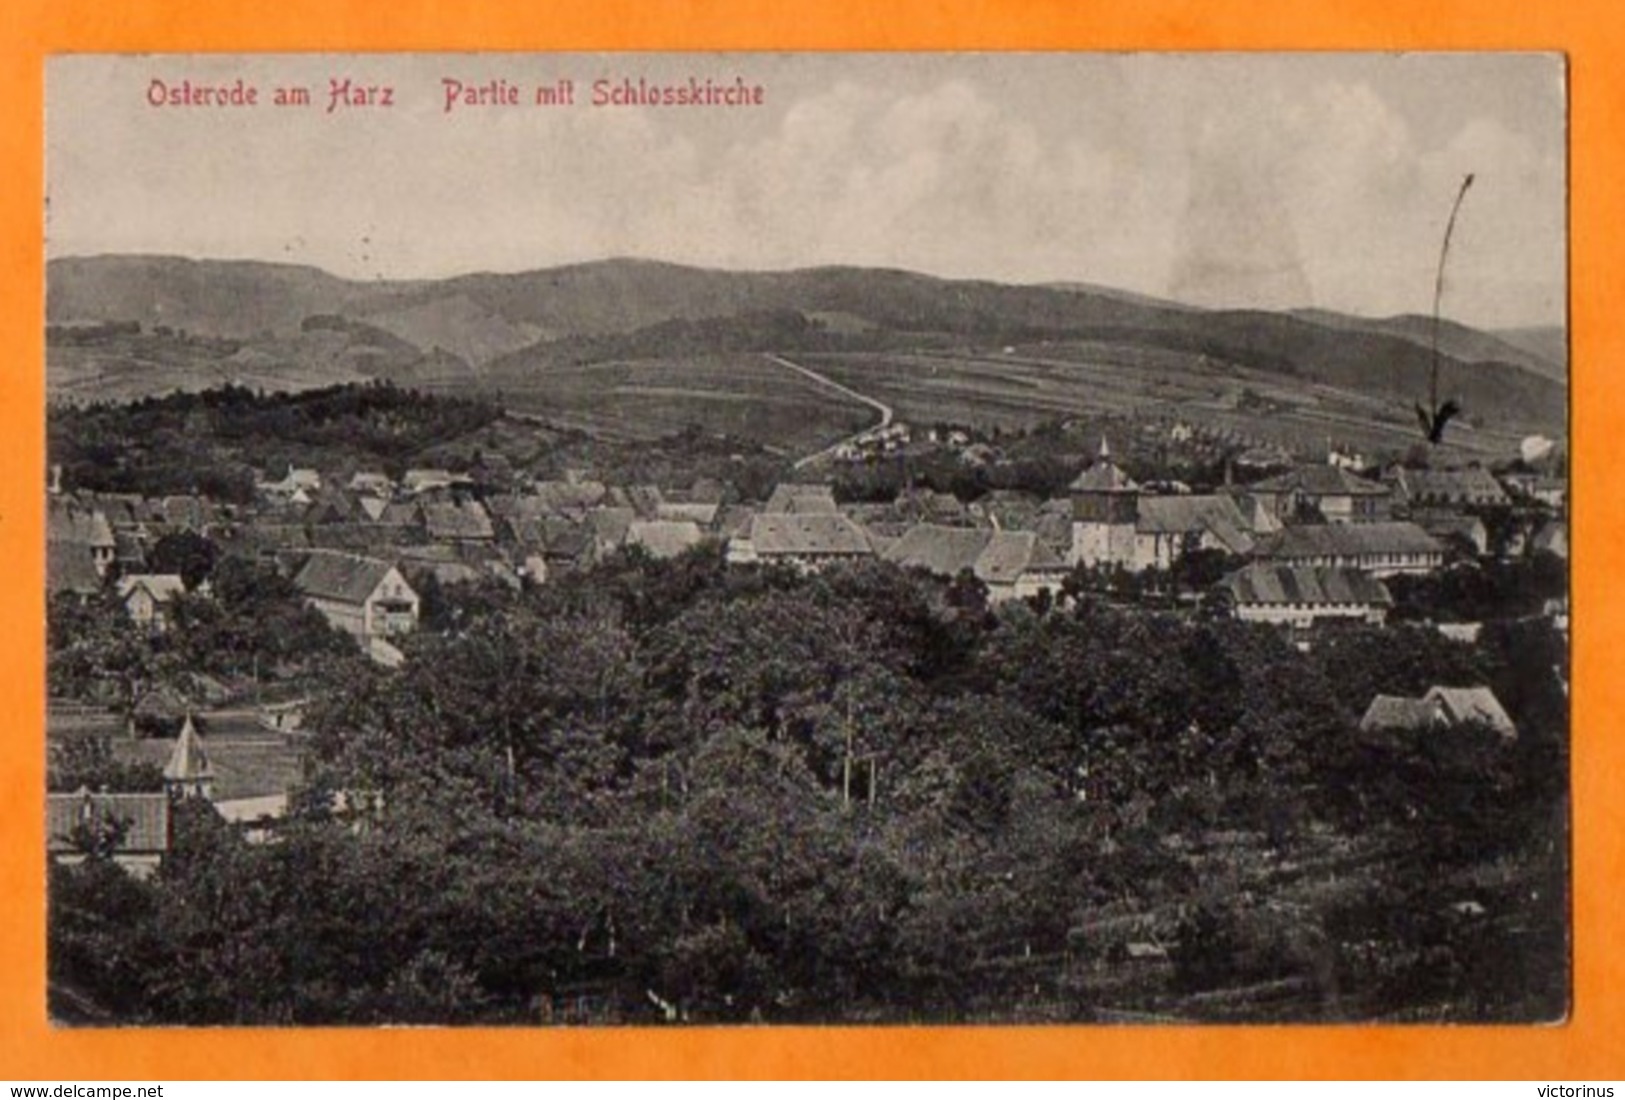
(740, 395)
(1024, 385)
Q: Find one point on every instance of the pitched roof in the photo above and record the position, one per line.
(71, 567)
(1439, 523)
(446, 520)
(703, 514)
(1259, 519)
(147, 815)
(418, 480)
(401, 513)
(162, 587)
(67, 522)
(944, 551)
(1010, 555)
(780, 533)
(797, 499)
(1472, 704)
(1320, 481)
(565, 495)
(452, 520)
(1321, 540)
(1263, 584)
(347, 578)
(1398, 712)
(1104, 476)
(1554, 537)
(188, 761)
(664, 538)
(1463, 483)
(610, 525)
(645, 500)
(1178, 515)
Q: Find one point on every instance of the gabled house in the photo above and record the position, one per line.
(1472, 704)
(1117, 522)
(608, 528)
(942, 551)
(1168, 526)
(1338, 495)
(677, 511)
(664, 538)
(147, 597)
(790, 498)
(1017, 565)
(362, 596)
(143, 818)
(458, 522)
(1012, 564)
(1301, 595)
(1381, 549)
(1465, 486)
(67, 522)
(371, 484)
(804, 540)
(71, 567)
(1439, 708)
(1446, 525)
(431, 480)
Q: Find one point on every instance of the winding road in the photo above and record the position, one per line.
(885, 410)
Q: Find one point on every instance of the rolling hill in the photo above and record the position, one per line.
(508, 332)
(1543, 351)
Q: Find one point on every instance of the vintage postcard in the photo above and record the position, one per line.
(851, 538)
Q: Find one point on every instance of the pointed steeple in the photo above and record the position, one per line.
(188, 774)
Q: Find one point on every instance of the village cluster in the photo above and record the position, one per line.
(1314, 542)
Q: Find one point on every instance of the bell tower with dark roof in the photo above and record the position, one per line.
(1105, 508)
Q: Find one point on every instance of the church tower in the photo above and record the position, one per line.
(188, 774)
(1105, 507)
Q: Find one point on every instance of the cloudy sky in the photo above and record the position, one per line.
(1230, 179)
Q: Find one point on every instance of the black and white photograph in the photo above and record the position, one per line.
(752, 539)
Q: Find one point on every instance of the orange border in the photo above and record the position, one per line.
(1588, 1047)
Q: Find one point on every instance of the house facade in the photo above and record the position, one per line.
(1440, 708)
(1380, 549)
(1337, 495)
(1302, 595)
(143, 818)
(1466, 486)
(802, 540)
(362, 596)
(148, 597)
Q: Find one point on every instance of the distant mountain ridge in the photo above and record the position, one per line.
(1456, 340)
(487, 327)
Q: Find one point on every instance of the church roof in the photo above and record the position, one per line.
(1104, 476)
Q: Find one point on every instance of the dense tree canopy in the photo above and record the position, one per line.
(679, 790)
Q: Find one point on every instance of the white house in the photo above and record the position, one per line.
(364, 597)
